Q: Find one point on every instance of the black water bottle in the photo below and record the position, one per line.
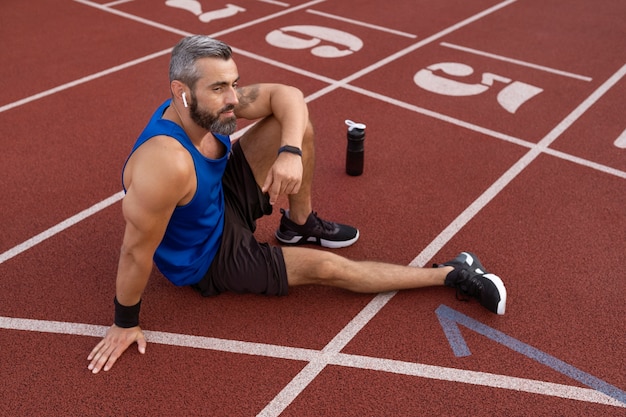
(356, 150)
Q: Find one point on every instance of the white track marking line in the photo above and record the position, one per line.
(84, 80)
(318, 360)
(60, 227)
(358, 322)
(586, 163)
(516, 61)
(474, 378)
(117, 3)
(364, 24)
(294, 388)
(275, 3)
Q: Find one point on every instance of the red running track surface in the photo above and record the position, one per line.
(520, 159)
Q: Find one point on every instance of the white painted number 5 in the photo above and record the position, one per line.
(510, 97)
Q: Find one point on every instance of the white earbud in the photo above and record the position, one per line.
(185, 100)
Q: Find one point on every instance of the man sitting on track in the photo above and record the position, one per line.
(192, 200)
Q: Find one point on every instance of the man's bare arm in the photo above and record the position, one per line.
(157, 177)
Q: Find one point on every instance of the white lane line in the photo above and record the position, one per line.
(84, 80)
(364, 24)
(475, 378)
(586, 163)
(60, 227)
(358, 322)
(275, 3)
(294, 388)
(516, 61)
(117, 3)
(318, 360)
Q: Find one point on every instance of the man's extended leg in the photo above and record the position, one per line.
(312, 266)
(465, 273)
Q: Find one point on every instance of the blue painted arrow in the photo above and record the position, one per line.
(450, 319)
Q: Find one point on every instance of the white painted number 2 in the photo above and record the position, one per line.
(510, 97)
(337, 43)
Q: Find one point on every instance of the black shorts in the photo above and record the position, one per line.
(242, 264)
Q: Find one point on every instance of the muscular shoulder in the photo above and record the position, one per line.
(162, 169)
(260, 100)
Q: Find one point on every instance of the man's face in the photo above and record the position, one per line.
(214, 97)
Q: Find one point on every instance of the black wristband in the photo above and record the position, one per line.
(126, 317)
(290, 149)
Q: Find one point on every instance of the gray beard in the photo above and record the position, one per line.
(212, 122)
(227, 127)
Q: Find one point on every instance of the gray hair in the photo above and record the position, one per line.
(189, 50)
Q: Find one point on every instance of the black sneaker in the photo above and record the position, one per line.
(470, 278)
(317, 231)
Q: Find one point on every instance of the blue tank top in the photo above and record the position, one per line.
(194, 232)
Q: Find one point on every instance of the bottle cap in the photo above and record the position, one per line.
(353, 125)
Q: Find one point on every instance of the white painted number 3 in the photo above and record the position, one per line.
(510, 97)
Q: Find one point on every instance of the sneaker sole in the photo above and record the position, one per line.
(332, 244)
(476, 266)
(501, 308)
(496, 280)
